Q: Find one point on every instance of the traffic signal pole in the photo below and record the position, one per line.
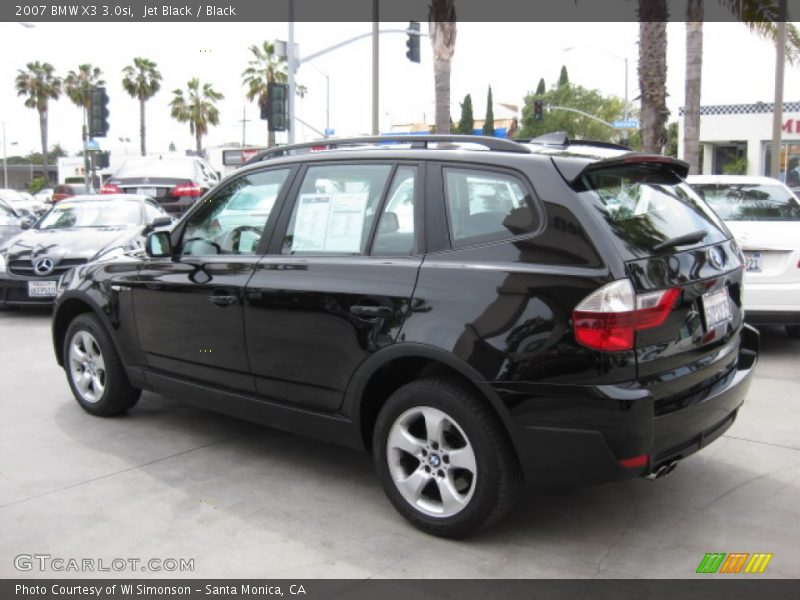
(294, 63)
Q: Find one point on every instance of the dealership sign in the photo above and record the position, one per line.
(791, 126)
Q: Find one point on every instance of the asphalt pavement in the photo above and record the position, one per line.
(169, 481)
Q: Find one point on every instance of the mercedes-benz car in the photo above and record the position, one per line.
(72, 232)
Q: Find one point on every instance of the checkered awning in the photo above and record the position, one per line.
(744, 109)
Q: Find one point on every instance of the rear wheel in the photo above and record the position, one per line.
(94, 369)
(793, 331)
(444, 459)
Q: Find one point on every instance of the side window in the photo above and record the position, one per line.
(335, 209)
(395, 235)
(483, 206)
(232, 220)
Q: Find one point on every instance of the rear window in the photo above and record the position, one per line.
(647, 205)
(750, 202)
(178, 169)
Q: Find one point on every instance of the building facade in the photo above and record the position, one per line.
(737, 138)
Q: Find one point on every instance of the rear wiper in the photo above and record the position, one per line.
(681, 240)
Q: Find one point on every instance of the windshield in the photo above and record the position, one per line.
(183, 169)
(92, 213)
(750, 202)
(646, 205)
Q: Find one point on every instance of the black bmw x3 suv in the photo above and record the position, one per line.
(475, 312)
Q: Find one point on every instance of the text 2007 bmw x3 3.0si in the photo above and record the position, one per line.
(475, 312)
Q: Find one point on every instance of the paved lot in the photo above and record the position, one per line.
(171, 481)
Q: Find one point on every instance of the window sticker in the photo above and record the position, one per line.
(330, 222)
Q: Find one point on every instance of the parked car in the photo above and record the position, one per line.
(67, 190)
(12, 222)
(554, 311)
(764, 216)
(73, 232)
(175, 182)
(23, 203)
(45, 195)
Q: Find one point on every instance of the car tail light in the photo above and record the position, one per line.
(608, 318)
(635, 461)
(186, 189)
(110, 188)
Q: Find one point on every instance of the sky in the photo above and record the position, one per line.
(511, 57)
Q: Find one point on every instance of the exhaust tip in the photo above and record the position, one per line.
(662, 470)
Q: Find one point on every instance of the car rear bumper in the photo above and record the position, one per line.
(773, 317)
(567, 433)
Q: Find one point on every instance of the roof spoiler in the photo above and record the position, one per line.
(572, 169)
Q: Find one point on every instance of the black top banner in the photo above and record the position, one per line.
(364, 10)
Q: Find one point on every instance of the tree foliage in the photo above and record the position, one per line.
(197, 107)
(576, 126)
(488, 123)
(466, 124)
(78, 83)
(563, 77)
(541, 88)
(263, 68)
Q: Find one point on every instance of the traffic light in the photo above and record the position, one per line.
(538, 110)
(277, 109)
(98, 113)
(412, 43)
(101, 160)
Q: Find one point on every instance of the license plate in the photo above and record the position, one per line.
(146, 192)
(717, 307)
(42, 289)
(752, 262)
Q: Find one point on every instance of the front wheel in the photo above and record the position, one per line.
(94, 369)
(444, 459)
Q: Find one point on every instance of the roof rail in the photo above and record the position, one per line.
(415, 141)
(560, 138)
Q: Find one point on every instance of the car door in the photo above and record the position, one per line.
(189, 308)
(337, 282)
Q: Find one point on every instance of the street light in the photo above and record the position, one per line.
(327, 97)
(612, 55)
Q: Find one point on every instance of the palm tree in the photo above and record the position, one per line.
(40, 84)
(442, 31)
(142, 81)
(753, 13)
(264, 68)
(77, 85)
(197, 108)
(653, 16)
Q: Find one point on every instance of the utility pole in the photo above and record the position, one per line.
(86, 93)
(244, 121)
(291, 60)
(5, 158)
(777, 110)
(375, 67)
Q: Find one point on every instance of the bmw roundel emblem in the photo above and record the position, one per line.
(44, 266)
(715, 257)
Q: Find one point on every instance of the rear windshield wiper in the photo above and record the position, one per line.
(681, 240)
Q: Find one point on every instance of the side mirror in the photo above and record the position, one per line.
(158, 244)
(158, 222)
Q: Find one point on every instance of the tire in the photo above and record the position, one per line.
(419, 432)
(793, 331)
(94, 369)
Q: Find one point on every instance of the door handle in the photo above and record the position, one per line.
(370, 313)
(222, 301)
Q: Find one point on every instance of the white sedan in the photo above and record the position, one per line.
(764, 217)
